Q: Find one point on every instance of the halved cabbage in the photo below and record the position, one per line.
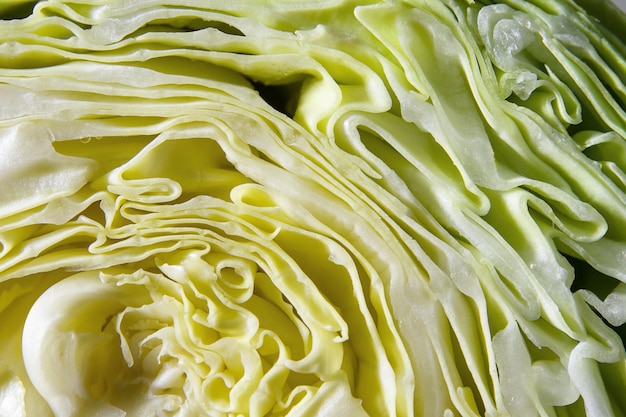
(311, 208)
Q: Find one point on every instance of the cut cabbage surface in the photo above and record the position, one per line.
(312, 208)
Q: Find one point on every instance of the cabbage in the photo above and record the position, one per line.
(383, 208)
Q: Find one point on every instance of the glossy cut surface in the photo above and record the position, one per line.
(294, 208)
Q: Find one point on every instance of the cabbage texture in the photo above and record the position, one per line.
(312, 208)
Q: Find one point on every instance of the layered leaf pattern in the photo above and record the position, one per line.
(259, 208)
